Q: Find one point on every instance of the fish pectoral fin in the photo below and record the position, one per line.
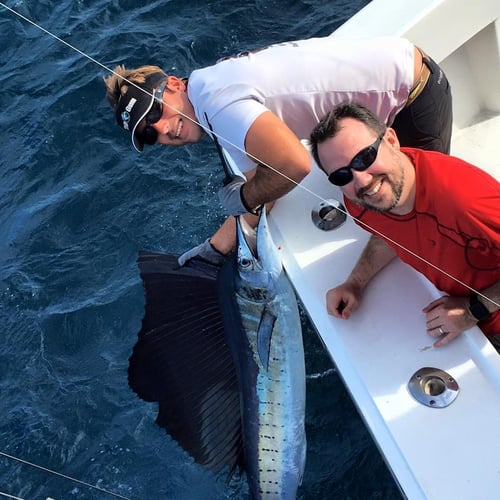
(264, 335)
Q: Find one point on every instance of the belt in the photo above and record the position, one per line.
(421, 80)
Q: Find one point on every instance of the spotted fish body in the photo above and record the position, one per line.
(263, 331)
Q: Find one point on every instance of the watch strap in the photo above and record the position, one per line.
(477, 308)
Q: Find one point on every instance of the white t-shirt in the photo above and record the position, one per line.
(300, 82)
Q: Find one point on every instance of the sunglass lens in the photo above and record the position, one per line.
(362, 161)
(341, 177)
(365, 158)
(154, 114)
(148, 135)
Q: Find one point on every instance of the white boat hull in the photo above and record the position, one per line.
(448, 453)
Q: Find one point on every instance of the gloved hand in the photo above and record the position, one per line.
(231, 199)
(205, 251)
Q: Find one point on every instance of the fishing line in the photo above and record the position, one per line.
(62, 475)
(6, 495)
(211, 132)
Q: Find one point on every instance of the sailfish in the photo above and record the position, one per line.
(220, 349)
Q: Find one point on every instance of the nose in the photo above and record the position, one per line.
(361, 179)
(162, 126)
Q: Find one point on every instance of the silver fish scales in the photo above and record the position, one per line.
(263, 329)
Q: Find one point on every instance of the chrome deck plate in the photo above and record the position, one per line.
(329, 214)
(433, 387)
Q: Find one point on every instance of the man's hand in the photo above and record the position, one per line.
(345, 298)
(447, 317)
(342, 300)
(205, 251)
(231, 196)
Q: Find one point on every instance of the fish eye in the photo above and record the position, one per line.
(245, 263)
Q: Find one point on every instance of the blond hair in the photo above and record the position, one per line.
(117, 83)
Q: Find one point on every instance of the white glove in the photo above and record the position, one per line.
(205, 251)
(231, 199)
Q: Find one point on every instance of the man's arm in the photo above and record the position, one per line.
(342, 300)
(221, 243)
(270, 142)
(224, 239)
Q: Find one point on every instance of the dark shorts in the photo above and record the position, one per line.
(427, 122)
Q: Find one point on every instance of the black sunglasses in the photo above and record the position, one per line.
(360, 162)
(148, 135)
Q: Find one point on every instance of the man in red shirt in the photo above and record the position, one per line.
(437, 213)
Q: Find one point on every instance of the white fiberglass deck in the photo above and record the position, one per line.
(479, 142)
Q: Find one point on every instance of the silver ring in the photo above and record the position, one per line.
(441, 331)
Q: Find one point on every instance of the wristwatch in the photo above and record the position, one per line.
(477, 308)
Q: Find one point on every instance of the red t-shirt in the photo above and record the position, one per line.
(455, 225)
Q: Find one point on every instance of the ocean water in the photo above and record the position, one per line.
(77, 203)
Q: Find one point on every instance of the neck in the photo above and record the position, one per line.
(407, 201)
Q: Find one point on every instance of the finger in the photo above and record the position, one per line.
(341, 306)
(337, 307)
(446, 339)
(432, 323)
(435, 332)
(345, 308)
(433, 305)
(333, 310)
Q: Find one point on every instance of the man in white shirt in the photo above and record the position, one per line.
(259, 105)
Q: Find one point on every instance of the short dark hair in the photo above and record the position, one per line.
(329, 125)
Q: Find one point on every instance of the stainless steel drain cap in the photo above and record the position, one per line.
(328, 215)
(433, 387)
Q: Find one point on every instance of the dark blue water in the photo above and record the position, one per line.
(76, 206)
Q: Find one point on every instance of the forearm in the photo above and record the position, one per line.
(375, 256)
(224, 239)
(284, 160)
(267, 185)
(342, 300)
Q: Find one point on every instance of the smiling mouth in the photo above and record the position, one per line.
(372, 191)
(179, 129)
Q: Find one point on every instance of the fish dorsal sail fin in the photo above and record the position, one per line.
(182, 361)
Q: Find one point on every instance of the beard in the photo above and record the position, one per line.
(396, 186)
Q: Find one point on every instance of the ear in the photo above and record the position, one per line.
(392, 138)
(174, 83)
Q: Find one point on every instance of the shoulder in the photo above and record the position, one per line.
(449, 184)
(450, 170)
